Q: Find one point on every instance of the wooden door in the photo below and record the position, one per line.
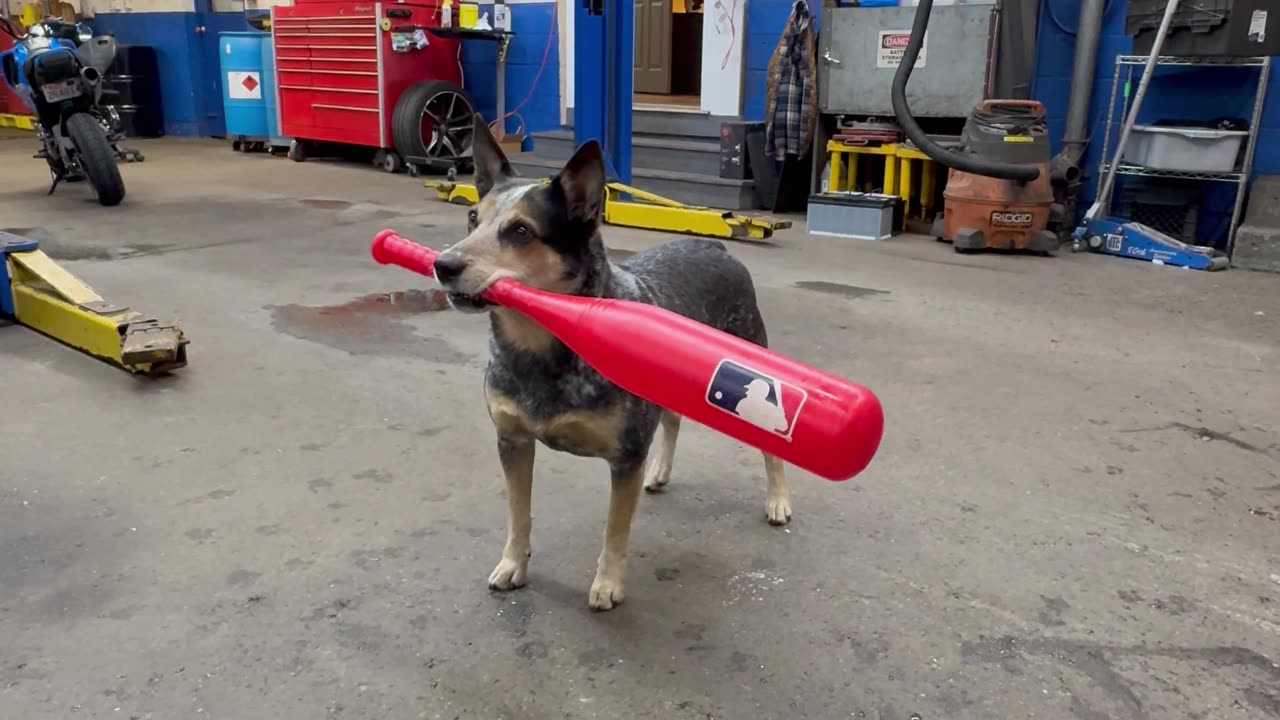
(653, 47)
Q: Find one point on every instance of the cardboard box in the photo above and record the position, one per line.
(511, 143)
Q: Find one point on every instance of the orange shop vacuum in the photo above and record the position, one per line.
(998, 195)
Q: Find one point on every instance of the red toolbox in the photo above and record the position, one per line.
(9, 100)
(339, 74)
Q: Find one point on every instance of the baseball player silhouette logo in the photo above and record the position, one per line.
(763, 401)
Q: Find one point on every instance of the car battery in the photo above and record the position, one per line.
(857, 216)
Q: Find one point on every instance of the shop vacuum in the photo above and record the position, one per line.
(998, 194)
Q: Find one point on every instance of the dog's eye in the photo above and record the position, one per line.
(473, 218)
(521, 229)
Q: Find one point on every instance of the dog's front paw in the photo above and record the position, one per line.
(778, 511)
(509, 575)
(606, 593)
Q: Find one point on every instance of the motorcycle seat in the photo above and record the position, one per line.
(98, 53)
(50, 65)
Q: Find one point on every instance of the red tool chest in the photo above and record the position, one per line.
(338, 76)
(9, 100)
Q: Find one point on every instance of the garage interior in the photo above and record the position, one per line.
(1074, 511)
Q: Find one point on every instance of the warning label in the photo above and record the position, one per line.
(244, 86)
(893, 43)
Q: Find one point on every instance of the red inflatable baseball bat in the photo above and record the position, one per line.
(809, 418)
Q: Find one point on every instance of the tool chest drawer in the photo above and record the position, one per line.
(339, 73)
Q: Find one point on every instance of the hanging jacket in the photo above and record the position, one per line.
(791, 99)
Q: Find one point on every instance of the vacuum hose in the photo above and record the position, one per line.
(959, 161)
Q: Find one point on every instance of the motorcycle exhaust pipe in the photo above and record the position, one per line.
(91, 76)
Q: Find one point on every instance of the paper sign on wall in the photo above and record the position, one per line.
(893, 43)
(1258, 26)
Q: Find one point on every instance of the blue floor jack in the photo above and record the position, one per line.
(1140, 242)
(1114, 236)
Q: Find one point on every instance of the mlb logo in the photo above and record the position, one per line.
(761, 400)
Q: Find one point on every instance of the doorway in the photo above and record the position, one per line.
(668, 54)
(207, 72)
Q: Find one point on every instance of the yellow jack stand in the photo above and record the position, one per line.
(38, 293)
(647, 211)
(21, 122)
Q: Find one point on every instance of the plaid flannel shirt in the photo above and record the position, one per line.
(790, 117)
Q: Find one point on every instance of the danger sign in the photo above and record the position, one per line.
(244, 86)
(892, 45)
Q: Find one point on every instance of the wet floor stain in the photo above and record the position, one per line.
(371, 325)
(71, 250)
(849, 291)
(326, 204)
(350, 213)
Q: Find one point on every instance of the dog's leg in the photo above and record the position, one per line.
(516, 454)
(658, 470)
(606, 590)
(777, 506)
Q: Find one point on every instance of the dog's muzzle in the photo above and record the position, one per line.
(449, 269)
(463, 302)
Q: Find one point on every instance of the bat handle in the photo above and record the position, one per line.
(390, 249)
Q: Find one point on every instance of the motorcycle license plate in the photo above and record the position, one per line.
(59, 91)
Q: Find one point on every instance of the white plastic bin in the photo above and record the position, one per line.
(1184, 148)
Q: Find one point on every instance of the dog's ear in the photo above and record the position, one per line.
(491, 163)
(581, 183)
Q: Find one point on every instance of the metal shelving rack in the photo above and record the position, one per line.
(1240, 176)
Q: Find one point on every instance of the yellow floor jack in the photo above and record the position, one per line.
(626, 206)
(40, 294)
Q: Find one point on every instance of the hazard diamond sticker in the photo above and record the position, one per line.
(244, 86)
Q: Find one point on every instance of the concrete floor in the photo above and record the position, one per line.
(1075, 512)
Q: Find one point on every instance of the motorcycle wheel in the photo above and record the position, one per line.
(96, 158)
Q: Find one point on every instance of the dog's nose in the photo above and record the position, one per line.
(449, 267)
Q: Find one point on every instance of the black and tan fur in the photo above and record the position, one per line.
(547, 236)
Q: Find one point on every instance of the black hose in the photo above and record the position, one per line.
(959, 161)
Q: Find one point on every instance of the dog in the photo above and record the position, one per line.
(546, 235)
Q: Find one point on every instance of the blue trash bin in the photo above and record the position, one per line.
(244, 87)
(274, 138)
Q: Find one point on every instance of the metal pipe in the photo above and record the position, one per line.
(1088, 35)
(1103, 202)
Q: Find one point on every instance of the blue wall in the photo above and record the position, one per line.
(1190, 93)
(765, 20)
(171, 34)
(187, 67)
(535, 25)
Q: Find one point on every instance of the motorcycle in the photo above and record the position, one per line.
(57, 68)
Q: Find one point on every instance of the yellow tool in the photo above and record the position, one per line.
(22, 122)
(647, 211)
(842, 175)
(39, 293)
